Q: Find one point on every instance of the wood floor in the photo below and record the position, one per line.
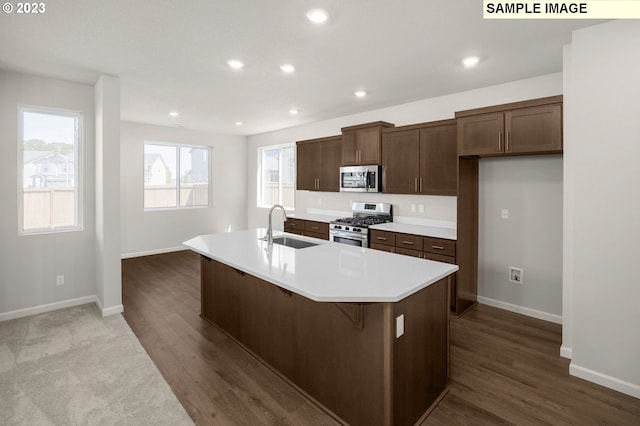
(505, 368)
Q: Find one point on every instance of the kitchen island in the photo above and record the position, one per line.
(362, 332)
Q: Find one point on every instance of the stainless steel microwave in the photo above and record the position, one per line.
(360, 178)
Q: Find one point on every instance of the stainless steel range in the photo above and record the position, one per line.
(355, 230)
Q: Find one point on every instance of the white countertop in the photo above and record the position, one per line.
(425, 231)
(328, 272)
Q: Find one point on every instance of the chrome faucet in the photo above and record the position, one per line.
(270, 228)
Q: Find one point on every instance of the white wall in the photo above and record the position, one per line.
(542, 293)
(530, 188)
(108, 264)
(603, 145)
(29, 263)
(158, 231)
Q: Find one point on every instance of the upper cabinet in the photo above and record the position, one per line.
(361, 144)
(521, 128)
(318, 164)
(420, 159)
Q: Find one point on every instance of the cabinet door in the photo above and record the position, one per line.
(220, 294)
(401, 162)
(439, 160)
(349, 148)
(534, 130)
(330, 157)
(481, 134)
(307, 166)
(368, 145)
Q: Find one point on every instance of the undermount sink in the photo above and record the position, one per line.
(293, 242)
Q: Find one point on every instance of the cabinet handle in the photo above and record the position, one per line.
(415, 185)
(437, 247)
(408, 242)
(315, 227)
(499, 141)
(420, 184)
(506, 149)
(381, 238)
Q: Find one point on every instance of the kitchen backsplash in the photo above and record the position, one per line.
(418, 207)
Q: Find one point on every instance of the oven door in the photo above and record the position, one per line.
(357, 240)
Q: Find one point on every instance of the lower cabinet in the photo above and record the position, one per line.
(308, 228)
(438, 249)
(344, 355)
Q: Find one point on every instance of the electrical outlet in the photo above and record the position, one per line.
(515, 275)
(505, 213)
(399, 325)
(413, 208)
(319, 201)
(421, 208)
(59, 279)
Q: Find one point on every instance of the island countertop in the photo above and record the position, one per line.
(328, 272)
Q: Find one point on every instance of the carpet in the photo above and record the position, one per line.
(73, 367)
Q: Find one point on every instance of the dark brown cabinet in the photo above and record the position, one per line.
(361, 144)
(318, 164)
(343, 355)
(521, 128)
(438, 249)
(309, 228)
(420, 159)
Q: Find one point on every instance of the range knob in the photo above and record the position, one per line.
(346, 228)
(337, 227)
(357, 229)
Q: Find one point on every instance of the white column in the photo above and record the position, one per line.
(108, 268)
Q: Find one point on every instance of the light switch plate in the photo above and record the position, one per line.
(399, 325)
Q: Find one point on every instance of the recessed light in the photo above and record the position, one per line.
(317, 16)
(360, 93)
(288, 68)
(238, 123)
(293, 111)
(174, 113)
(235, 64)
(470, 61)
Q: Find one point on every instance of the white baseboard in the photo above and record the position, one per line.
(150, 252)
(566, 352)
(19, 313)
(546, 316)
(605, 380)
(109, 311)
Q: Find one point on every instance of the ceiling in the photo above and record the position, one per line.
(172, 55)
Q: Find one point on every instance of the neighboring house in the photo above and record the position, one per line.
(199, 167)
(48, 169)
(156, 171)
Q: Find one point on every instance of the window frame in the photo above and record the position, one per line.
(78, 166)
(259, 182)
(178, 146)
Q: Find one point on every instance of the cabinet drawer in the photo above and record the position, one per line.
(316, 235)
(440, 258)
(408, 241)
(293, 224)
(382, 237)
(409, 252)
(316, 227)
(382, 247)
(440, 246)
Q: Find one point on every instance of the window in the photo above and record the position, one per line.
(175, 176)
(276, 176)
(49, 141)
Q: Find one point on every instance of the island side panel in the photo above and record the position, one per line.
(340, 364)
(420, 355)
